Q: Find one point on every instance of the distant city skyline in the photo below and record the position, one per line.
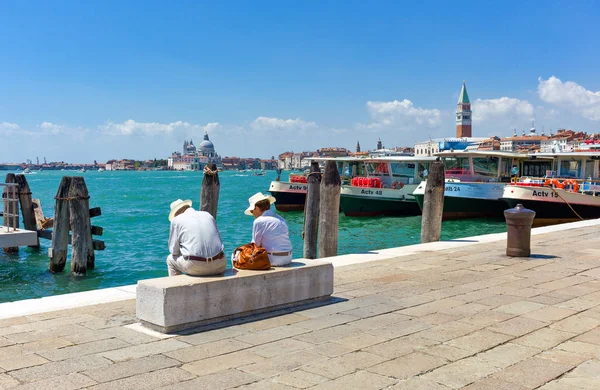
(98, 81)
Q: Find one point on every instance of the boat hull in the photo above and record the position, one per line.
(553, 205)
(464, 200)
(370, 202)
(289, 196)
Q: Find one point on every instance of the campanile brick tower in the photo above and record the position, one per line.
(463, 114)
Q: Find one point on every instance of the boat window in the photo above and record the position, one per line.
(536, 169)
(403, 169)
(380, 169)
(422, 170)
(506, 166)
(589, 168)
(457, 166)
(486, 166)
(570, 169)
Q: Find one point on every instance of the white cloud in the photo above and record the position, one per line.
(503, 109)
(570, 95)
(263, 123)
(7, 128)
(131, 127)
(402, 114)
(51, 128)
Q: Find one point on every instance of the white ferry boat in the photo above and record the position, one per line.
(569, 191)
(475, 181)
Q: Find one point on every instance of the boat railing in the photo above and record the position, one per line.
(590, 185)
(10, 202)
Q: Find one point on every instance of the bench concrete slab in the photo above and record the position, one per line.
(172, 304)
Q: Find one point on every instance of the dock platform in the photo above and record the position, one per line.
(19, 237)
(445, 315)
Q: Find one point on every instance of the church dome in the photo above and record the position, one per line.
(206, 144)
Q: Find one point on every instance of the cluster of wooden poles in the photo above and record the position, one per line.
(71, 223)
(321, 211)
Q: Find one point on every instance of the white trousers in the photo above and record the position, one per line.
(178, 265)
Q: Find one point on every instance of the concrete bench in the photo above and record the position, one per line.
(176, 303)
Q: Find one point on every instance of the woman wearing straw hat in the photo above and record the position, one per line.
(195, 243)
(269, 230)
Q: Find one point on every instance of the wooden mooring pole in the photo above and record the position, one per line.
(311, 212)
(209, 193)
(433, 203)
(11, 209)
(329, 211)
(60, 232)
(82, 250)
(27, 208)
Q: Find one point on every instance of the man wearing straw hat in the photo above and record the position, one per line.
(194, 242)
(269, 230)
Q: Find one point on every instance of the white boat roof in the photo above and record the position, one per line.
(568, 154)
(485, 153)
(374, 159)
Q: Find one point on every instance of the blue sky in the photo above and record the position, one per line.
(112, 79)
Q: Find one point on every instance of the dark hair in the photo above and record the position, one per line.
(181, 210)
(263, 205)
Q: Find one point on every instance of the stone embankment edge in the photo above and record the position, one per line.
(122, 293)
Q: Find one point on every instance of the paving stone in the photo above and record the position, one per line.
(326, 322)
(272, 334)
(273, 321)
(495, 300)
(12, 351)
(507, 354)
(533, 372)
(327, 335)
(379, 321)
(578, 304)
(300, 379)
(22, 361)
(372, 310)
(462, 372)
(344, 364)
(400, 346)
(138, 351)
(563, 384)
(438, 318)
(400, 329)
(4, 342)
(591, 337)
(222, 362)
(189, 354)
(7, 382)
(418, 383)
(431, 307)
(283, 363)
(549, 313)
(358, 380)
(576, 324)
(330, 349)
(83, 349)
(487, 318)
(31, 336)
(280, 347)
(591, 350)
(447, 352)
(63, 367)
(480, 340)
(449, 331)
(560, 356)
(517, 326)
(408, 365)
(360, 340)
(519, 307)
(329, 309)
(492, 383)
(148, 380)
(131, 368)
(544, 338)
(212, 335)
(66, 382)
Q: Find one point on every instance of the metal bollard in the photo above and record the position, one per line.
(519, 221)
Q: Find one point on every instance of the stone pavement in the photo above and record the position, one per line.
(466, 317)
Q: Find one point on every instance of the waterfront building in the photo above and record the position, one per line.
(530, 142)
(565, 141)
(463, 114)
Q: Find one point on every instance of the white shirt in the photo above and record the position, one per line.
(271, 232)
(194, 233)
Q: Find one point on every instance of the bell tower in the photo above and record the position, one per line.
(463, 114)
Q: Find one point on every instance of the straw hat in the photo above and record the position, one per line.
(257, 198)
(176, 205)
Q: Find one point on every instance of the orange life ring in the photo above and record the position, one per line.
(394, 185)
(397, 185)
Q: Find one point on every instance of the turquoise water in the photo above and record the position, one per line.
(135, 206)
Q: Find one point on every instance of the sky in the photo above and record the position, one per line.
(98, 80)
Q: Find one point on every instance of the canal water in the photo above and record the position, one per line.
(135, 206)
